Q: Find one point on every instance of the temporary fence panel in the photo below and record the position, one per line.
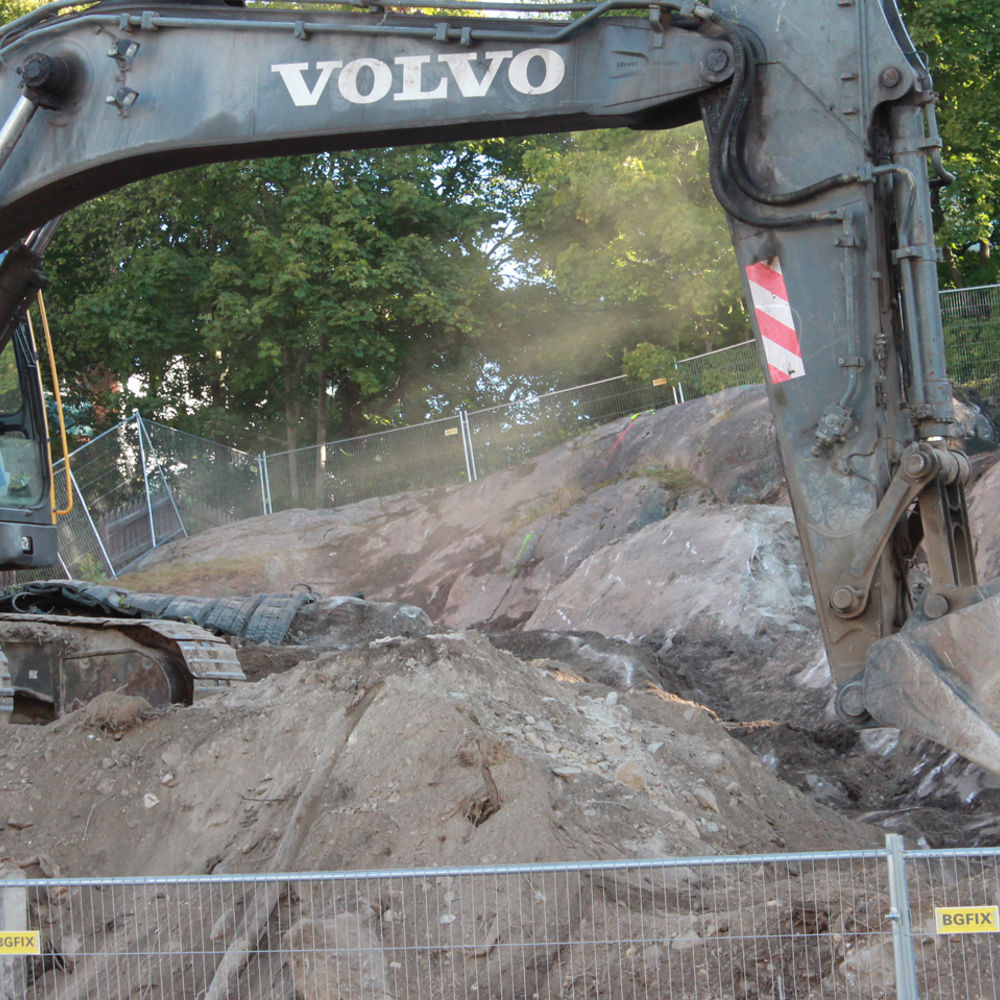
(393, 461)
(816, 926)
(888, 924)
(722, 369)
(502, 436)
(209, 483)
(955, 919)
(971, 318)
(121, 507)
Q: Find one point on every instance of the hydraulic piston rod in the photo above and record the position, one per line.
(14, 126)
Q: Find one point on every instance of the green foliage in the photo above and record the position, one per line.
(962, 43)
(253, 294)
(629, 246)
(12, 9)
(647, 361)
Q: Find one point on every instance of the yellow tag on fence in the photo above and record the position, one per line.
(20, 943)
(967, 919)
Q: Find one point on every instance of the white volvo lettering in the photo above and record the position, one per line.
(413, 84)
(347, 83)
(295, 84)
(554, 69)
(469, 85)
(368, 80)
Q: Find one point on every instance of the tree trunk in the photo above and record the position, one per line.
(321, 493)
(351, 414)
(952, 265)
(291, 427)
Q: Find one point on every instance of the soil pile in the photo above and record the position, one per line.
(610, 651)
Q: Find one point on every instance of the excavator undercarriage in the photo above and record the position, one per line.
(165, 649)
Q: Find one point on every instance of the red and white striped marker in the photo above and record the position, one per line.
(775, 321)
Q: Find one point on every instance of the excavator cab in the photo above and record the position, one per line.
(27, 524)
(24, 475)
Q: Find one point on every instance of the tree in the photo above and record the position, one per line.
(962, 44)
(274, 292)
(628, 245)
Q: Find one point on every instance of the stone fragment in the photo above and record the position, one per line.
(631, 775)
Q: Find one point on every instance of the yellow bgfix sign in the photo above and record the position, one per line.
(967, 919)
(19, 943)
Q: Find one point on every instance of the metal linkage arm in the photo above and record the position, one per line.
(921, 465)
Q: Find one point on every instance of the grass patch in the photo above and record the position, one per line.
(675, 481)
(174, 576)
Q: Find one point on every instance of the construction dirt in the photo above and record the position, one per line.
(609, 651)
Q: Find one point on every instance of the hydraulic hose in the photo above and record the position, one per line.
(727, 172)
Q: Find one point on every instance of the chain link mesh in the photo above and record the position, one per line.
(717, 370)
(502, 436)
(393, 461)
(209, 483)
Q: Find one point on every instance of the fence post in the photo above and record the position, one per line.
(163, 479)
(93, 527)
(13, 917)
(265, 483)
(470, 458)
(899, 914)
(145, 478)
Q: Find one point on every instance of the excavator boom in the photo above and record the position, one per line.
(823, 152)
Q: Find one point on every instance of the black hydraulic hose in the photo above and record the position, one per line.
(738, 142)
(726, 170)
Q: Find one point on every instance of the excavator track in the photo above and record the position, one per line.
(54, 663)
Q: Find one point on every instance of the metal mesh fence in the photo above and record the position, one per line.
(771, 926)
(723, 369)
(971, 318)
(393, 461)
(502, 436)
(953, 898)
(142, 483)
(861, 925)
(121, 509)
(210, 483)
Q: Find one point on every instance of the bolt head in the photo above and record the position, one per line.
(890, 77)
(851, 702)
(717, 59)
(915, 464)
(842, 598)
(36, 70)
(936, 605)
(716, 64)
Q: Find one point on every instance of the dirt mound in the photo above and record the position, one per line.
(665, 690)
(421, 751)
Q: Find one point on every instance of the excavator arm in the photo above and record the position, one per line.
(820, 119)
